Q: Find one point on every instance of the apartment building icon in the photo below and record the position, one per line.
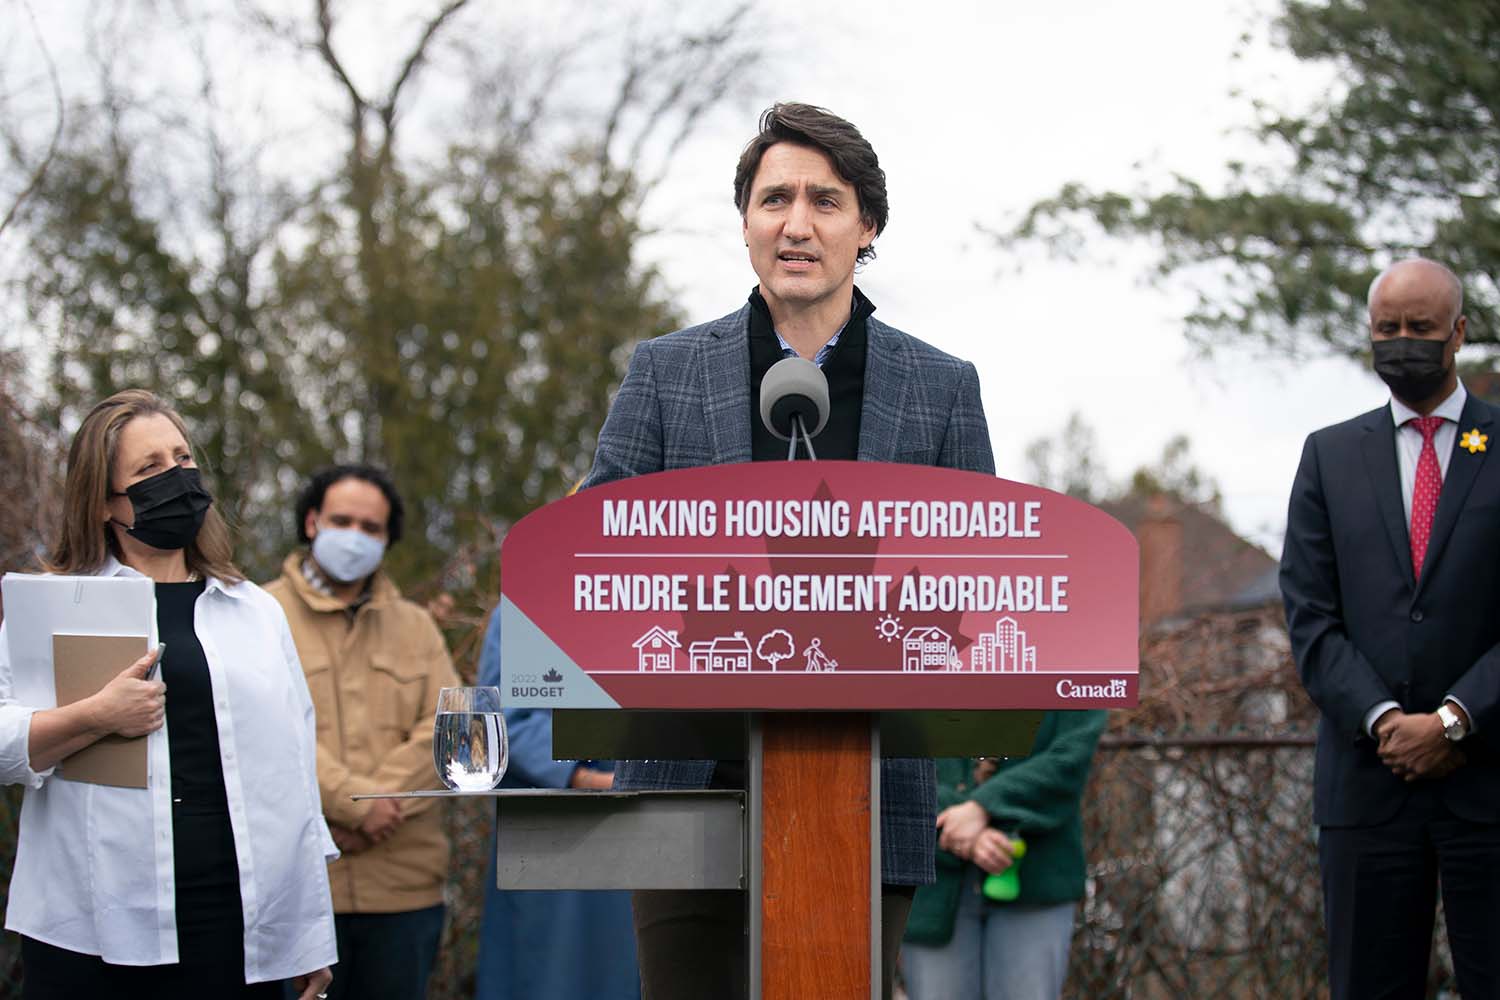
(1005, 650)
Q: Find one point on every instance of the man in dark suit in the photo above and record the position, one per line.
(811, 196)
(1391, 577)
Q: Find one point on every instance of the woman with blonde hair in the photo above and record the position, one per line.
(212, 880)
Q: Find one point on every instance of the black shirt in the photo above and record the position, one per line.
(210, 922)
(192, 727)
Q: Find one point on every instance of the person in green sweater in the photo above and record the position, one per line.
(960, 945)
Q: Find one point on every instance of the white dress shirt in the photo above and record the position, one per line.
(94, 863)
(1408, 451)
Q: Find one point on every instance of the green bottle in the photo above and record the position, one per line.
(1006, 886)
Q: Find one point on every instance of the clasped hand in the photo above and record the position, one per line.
(1414, 747)
(379, 823)
(964, 830)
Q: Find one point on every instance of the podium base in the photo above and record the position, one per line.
(815, 877)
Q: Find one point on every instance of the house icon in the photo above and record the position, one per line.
(926, 649)
(657, 650)
(729, 654)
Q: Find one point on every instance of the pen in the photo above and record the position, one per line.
(151, 671)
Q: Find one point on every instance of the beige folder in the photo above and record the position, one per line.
(81, 666)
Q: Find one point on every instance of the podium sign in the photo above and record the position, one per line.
(819, 585)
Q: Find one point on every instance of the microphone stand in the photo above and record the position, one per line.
(791, 452)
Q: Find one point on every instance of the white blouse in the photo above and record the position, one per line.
(94, 867)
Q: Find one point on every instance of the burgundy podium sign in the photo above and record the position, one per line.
(819, 585)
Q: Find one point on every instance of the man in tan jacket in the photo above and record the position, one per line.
(374, 663)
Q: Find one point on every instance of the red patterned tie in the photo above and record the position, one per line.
(1424, 494)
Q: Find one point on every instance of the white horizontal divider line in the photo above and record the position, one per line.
(806, 555)
(892, 672)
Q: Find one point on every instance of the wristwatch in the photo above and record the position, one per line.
(1453, 727)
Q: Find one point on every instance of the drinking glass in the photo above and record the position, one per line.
(469, 745)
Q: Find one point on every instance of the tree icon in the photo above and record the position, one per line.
(775, 646)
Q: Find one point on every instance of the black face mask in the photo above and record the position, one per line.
(169, 508)
(1413, 368)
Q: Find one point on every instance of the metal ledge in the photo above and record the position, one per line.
(569, 839)
(620, 840)
(615, 734)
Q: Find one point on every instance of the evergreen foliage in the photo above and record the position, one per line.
(1402, 157)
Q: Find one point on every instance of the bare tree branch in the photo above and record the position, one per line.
(324, 48)
(419, 53)
(624, 99)
(702, 72)
(39, 174)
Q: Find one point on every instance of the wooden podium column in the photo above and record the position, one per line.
(816, 903)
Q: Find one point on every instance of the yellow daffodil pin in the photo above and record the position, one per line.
(1474, 441)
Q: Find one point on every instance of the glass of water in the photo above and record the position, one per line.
(469, 745)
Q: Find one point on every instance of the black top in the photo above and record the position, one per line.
(192, 728)
(844, 368)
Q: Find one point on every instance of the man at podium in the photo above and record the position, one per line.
(812, 200)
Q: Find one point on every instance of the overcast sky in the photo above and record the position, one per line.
(976, 110)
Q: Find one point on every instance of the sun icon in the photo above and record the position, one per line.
(888, 627)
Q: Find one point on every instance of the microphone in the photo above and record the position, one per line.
(794, 397)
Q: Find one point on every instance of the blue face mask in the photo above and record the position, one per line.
(345, 554)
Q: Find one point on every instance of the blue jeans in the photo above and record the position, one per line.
(999, 951)
(384, 956)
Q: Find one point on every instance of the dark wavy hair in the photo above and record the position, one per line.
(853, 158)
(317, 488)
